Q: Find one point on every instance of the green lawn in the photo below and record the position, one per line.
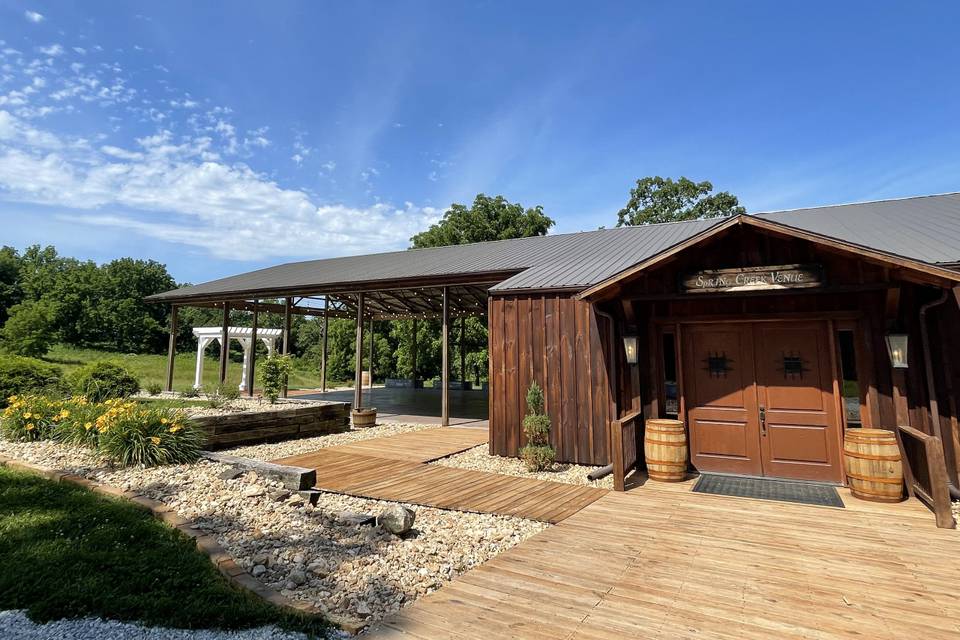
(152, 368)
(67, 552)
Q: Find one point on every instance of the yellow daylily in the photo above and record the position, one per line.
(155, 440)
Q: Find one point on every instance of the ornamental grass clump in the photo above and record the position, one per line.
(537, 453)
(30, 417)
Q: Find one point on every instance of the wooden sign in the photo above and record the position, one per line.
(787, 276)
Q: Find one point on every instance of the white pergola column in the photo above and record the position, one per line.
(245, 343)
(202, 344)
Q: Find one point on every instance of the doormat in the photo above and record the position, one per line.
(823, 495)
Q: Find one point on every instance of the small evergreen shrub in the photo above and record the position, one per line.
(30, 417)
(104, 380)
(22, 376)
(273, 376)
(131, 434)
(154, 388)
(537, 453)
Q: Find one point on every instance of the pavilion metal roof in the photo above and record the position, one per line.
(925, 229)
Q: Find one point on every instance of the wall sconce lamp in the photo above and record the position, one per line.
(897, 344)
(630, 348)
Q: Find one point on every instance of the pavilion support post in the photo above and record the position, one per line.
(224, 343)
(286, 337)
(445, 366)
(463, 350)
(371, 359)
(171, 347)
(323, 350)
(413, 355)
(252, 360)
(358, 373)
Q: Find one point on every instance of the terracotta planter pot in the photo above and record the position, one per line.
(364, 418)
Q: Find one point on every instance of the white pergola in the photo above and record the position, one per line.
(207, 335)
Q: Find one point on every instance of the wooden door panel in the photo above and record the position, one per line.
(721, 399)
(795, 388)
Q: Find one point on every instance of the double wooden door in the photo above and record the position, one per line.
(760, 400)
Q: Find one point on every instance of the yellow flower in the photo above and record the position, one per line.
(64, 413)
(164, 421)
(28, 415)
(155, 440)
(175, 428)
(30, 426)
(88, 426)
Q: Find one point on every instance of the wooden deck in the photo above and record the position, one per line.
(413, 446)
(343, 470)
(661, 562)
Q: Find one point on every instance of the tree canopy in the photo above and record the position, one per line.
(657, 199)
(487, 219)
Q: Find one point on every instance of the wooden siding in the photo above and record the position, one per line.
(563, 345)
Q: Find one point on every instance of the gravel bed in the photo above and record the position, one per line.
(317, 554)
(15, 625)
(243, 404)
(479, 459)
(273, 451)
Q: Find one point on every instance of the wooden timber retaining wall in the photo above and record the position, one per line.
(285, 423)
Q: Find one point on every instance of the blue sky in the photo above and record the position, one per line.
(220, 137)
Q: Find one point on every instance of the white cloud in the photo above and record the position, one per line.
(329, 165)
(33, 16)
(176, 189)
(53, 50)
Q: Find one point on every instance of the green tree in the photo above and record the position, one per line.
(29, 330)
(487, 219)
(657, 199)
(10, 293)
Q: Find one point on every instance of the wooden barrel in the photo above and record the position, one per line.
(871, 458)
(364, 418)
(665, 450)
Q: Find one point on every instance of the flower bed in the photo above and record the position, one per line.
(479, 458)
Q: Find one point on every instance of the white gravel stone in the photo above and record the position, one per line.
(347, 569)
(479, 459)
(15, 625)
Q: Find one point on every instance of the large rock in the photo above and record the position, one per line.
(396, 519)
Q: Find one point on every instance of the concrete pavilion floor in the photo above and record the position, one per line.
(416, 406)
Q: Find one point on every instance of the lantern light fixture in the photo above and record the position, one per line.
(630, 348)
(897, 344)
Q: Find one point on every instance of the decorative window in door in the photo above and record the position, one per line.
(793, 366)
(718, 364)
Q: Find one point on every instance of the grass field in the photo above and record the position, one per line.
(152, 368)
(67, 552)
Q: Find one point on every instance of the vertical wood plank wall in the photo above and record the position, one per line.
(563, 345)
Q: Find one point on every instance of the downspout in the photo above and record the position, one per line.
(931, 386)
(606, 470)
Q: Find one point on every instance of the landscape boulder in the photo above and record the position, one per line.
(396, 519)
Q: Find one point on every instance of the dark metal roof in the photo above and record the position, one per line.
(924, 228)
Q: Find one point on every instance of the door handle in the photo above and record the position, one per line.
(763, 421)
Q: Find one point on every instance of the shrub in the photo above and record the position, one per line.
(30, 417)
(104, 380)
(223, 394)
(192, 392)
(273, 376)
(29, 330)
(130, 434)
(154, 388)
(78, 422)
(22, 376)
(537, 453)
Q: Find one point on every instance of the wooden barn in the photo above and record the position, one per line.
(766, 335)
